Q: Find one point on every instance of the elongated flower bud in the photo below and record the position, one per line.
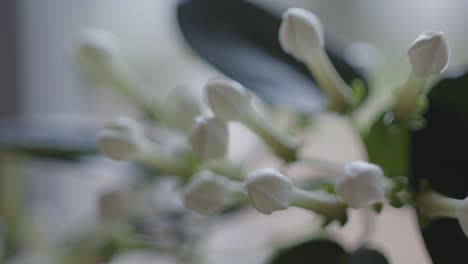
(229, 100)
(361, 185)
(121, 139)
(96, 53)
(181, 108)
(208, 193)
(429, 53)
(270, 191)
(209, 137)
(300, 33)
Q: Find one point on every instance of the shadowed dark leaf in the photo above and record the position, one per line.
(52, 139)
(321, 251)
(241, 40)
(439, 154)
(367, 256)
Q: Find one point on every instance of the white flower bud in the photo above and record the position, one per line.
(228, 99)
(462, 215)
(300, 32)
(121, 139)
(361, 185)
(95, 52)
(269, 190)
(209, 137)
(207, 193)
(301, 35)
(181, 107)
(429, 53)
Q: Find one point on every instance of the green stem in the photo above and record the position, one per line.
(328, 79)
(408, 97)
(282, 146)
(154, 156)
(435, 205)
(127, 85)
(322, 203)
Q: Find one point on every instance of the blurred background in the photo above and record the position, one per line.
(38, 79)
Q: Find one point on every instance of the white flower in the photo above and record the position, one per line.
(181, 107)
(269, 190)
(207, 193)
(121, 139)
(462, 215)
(361, 185)
(429, 53)
(209, 137)
(229, 100)
(300, 33)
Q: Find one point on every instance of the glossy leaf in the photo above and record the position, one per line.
(439, 154)
(62, 140)
(367, 256)
(241, 40)
(326, 251)
(387, 146)
(313, 251)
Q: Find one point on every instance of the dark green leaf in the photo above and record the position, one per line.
(439, 154)
(46, 138)
(387, 146)
(367, 256)
(241, 40)
(321, 251)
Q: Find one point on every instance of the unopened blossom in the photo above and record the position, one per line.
(269, 190)
(209, 137)
(208, 193)
(96, 52)
(301, 35)
(228, 99)
(429, 53)
(361, 185)
(122, 139)
(181, 107)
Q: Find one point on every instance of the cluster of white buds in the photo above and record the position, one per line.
(124, 139)
(435, 205)
(208, 193)
(429, 54)
(362, 184)
(209, 137)
(301, 35)
(230, 101)
(267, 190)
